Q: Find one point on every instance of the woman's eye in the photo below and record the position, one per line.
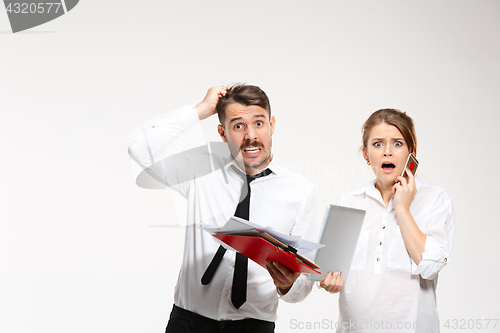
(378, 144)
(398, 143)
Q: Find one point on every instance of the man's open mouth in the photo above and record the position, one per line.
(251, 149)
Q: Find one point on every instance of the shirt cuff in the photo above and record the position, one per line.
(288, 297)
(187, 116)
(299, 290)
(433, 260)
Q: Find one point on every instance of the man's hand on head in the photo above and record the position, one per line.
(283, 278)
(207, 107)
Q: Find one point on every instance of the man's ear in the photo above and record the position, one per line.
(222, 132)
(273, 124)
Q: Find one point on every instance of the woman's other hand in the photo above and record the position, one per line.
(333, 282)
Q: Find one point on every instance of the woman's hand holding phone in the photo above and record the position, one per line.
(404, 190)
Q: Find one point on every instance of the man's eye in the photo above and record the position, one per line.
(259, 123)
(238, 126)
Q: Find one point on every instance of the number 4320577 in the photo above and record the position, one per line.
(25, 8)
(463, 324)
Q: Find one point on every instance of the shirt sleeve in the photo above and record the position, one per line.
(151, 151)
(439, 230)
(306, 228)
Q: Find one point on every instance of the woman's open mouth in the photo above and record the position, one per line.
(388, 167)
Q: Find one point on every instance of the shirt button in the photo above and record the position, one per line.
(380, 243)
(378, 259)
(445, 260)
(234, 264)
(383, 227)
(226, 293)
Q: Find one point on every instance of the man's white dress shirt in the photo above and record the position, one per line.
(385, 290)
(282, 200)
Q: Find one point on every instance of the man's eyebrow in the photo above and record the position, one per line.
(235, 119)
(255, 116)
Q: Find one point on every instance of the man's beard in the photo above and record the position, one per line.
(256, 166)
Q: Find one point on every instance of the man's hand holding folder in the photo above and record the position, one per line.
(264, 245)
(283, 277)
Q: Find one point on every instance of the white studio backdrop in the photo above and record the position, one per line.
(83, 249)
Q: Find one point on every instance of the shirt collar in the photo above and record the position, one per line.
(368, 189)
(418, 182)
(272, 166)
(371, 190)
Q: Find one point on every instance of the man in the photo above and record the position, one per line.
(210, 294)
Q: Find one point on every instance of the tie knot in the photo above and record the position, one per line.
(263, 173)
(249, 178)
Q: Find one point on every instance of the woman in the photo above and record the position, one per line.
(406, 237)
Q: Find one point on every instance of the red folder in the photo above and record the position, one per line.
(260, 247)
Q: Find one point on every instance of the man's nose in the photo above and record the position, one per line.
(250, 133)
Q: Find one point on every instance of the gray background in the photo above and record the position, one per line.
(79, 250)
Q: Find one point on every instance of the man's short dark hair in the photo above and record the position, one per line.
(243, 94)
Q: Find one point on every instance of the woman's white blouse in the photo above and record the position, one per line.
(385, 290)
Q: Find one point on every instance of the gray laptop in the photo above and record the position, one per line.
(339, 234)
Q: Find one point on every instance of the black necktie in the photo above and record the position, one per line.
(239, 288)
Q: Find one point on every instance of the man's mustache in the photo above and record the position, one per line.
(253, 143)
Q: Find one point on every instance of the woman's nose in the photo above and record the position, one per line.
(388, 151)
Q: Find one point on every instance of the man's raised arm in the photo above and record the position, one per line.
(151, 149)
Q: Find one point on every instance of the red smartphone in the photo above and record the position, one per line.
(412, 164)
